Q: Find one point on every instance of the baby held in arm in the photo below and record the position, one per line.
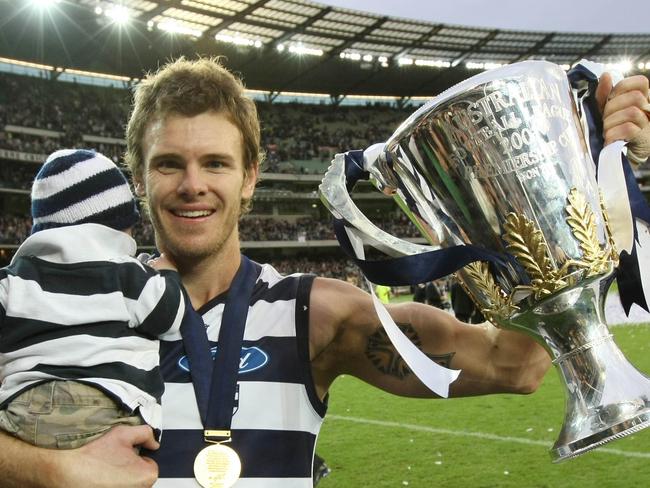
(80, 316)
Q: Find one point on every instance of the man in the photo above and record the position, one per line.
(419, 293)
(193, 145)
(383, 292)
(435, 294)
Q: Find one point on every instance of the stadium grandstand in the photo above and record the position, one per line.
(325, 80)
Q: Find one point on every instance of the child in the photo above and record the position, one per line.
(79, 315)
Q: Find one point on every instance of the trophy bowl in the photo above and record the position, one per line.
(500, 162)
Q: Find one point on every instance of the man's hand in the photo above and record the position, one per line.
(113, 460)
(626, 113)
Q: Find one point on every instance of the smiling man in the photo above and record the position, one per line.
(193, 149)
(196, 182)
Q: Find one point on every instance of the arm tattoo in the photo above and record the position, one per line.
(382, 353)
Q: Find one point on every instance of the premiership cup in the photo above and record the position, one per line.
(500, 162)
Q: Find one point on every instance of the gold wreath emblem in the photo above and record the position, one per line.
(525, 241)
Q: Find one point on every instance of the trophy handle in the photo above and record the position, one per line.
(334, 194)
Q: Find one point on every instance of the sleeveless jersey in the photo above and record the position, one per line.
(277, 414)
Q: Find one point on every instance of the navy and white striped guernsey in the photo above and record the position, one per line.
(277, 414)
(76, 305)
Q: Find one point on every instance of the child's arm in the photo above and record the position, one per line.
(160, 304)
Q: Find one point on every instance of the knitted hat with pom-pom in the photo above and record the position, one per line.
(78, 186)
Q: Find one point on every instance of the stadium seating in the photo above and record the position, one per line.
(38, 116)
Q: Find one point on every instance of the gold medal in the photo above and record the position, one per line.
(217, 466)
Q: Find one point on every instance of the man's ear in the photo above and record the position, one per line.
(251, 176)
(138, 186)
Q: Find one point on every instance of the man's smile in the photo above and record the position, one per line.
(192, 214)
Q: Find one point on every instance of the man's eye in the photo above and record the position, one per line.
(214, 164)
(168, 164)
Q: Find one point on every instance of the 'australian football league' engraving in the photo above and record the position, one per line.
(522, 124)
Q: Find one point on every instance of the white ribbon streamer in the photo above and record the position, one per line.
(435, 377)
(611, 180)
(643, 256)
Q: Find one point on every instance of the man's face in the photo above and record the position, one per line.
(194, 180)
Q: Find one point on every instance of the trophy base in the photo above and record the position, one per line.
(607, 398)
(618, 431)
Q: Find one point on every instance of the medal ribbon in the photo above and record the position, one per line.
(215, 381)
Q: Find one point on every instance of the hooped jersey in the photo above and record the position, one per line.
(277, 414)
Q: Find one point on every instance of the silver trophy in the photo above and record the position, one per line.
(500, 162)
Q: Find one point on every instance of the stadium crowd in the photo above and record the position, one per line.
(293, 135)
(15, 228)
(86, 116)
(17, 175)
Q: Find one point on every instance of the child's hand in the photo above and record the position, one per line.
(161, 262)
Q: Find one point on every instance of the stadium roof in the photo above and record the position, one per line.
(288, 45)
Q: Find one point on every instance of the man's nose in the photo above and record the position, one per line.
(193, 182)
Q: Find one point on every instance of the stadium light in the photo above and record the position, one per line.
(300, 49)
(622, 66)
(44, 4)
(176, 28)
(483, 66)
(119, 14)
(366, 58)
(351, 56)
(432, 63)
(238, 40)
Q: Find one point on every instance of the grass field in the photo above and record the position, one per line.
(373, 439)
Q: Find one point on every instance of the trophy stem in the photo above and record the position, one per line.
(602, 404)
(606, 397)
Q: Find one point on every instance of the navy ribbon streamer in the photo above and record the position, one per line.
(215, 381)
(407, 270)
(628, 275)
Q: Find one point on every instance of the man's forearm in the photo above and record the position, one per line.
(525, 359)
(25, 466)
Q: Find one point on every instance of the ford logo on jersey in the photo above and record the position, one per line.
(250, 359)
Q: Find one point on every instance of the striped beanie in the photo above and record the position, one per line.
(78, 186)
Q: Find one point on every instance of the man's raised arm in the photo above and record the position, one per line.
(346, 337)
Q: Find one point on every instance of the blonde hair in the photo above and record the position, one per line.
(188, 88)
